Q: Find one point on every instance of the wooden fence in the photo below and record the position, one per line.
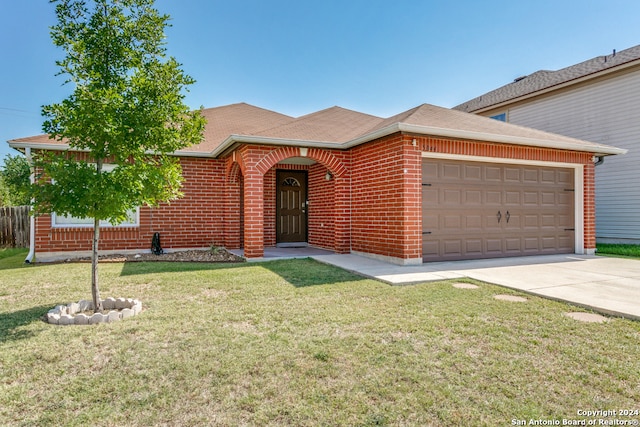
(14, 227)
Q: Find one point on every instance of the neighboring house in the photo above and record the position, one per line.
(597, 100)
(425, 185)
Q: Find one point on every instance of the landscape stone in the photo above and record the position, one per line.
(96, 318)
(85, 305)
(587, 317)
(73, 313)
(109, 303)
(81, 319)
(65, 319)
(73, 308)
(137, 308)
(113, 316)
(53, 317)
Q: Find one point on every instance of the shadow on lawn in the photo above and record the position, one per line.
(132, 268)
(300, 272)
(309, 272)
(10, 323)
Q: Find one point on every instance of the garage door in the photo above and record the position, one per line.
(484, 210)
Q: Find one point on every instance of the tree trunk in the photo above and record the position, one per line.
(95, 291)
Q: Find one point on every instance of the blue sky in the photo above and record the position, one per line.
(299, 56)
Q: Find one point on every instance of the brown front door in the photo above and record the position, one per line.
(291, 207)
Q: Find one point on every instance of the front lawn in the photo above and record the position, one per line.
(299, 343)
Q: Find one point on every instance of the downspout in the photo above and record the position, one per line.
(32, 219)
(599, 161)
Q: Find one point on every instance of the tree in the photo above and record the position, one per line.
(126, 109)
(15, 176)
(4, 194)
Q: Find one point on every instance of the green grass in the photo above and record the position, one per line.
(12, 252)
(298, 343)
(631, 251)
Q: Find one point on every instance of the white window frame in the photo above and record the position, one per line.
(65, 221)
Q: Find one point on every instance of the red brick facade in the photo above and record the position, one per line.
(370, 204)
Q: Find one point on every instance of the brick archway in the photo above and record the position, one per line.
(257, 161)
(324, 157)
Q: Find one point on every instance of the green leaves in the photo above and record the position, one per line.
(14, 181)
(126, 109)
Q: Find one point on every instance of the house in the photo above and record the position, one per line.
(597, 100)
(428, 184)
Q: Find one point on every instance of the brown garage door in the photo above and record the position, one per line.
(485, 210)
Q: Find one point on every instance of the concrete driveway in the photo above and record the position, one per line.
(603, 284)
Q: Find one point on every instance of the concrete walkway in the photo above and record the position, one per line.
(603, 284)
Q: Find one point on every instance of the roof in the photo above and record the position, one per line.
(341, 128)
(544, 80)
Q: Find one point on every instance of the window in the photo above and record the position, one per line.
(290, 182)
(133, 220)
(502, 117)
(60, 221)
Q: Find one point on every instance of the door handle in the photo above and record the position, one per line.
(508, 216)
(499, 216)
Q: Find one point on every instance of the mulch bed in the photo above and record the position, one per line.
(217, 255)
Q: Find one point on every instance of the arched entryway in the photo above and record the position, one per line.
(293, 196)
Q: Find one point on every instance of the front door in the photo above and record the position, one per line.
(291, 206)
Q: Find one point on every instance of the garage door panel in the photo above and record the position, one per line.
(493, 174)
(512, 244)
(512, 175)
(430, 196)
(493, 197)
(530, 198)
(530, 176)
(531, 244)
(473, 247)
(472, 173)
(565, 178)
(473, 223)
(548, 198)
(473, 197)
(451, 197)
(461, 202)
(512, 198)
(452, 222)
(513, 222)
(452, 172)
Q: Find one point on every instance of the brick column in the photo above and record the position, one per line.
(253, 215)
(342, 212)
(589, 208)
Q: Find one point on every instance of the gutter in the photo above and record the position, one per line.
(32, 219)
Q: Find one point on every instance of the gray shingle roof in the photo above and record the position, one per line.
(545, 79)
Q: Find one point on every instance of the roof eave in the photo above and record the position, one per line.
(233, 140)
(558, 86)
(598, 150)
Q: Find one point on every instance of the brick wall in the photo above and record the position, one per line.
(321, 208)
(371, 204)
(196, 220)
(386, 205)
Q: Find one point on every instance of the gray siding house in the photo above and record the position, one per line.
(596, 100)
